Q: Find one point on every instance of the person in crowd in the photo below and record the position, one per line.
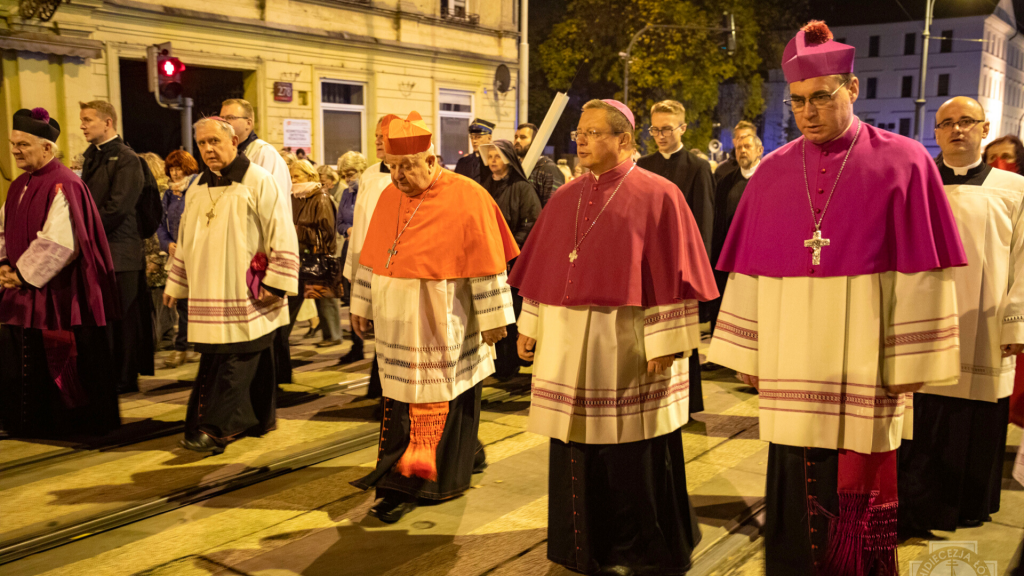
(331, 182)
(520, 206)
(693, 176)
(951, 473)
(351, 165)
(828, 324)
(742, 130)
(239, 113)
(546, 177)
(728, 191)
(314, 217)
(431, 280)
(162, 319)
(328, 305)
(232, 212)
(371, 185)
(58, 293)
(300, 154)
(472, 165)
(113, 173)
(616, 485)
(76, 164)
(563, 167)
(182, 171)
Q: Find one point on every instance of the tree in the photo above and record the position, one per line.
(684, 65)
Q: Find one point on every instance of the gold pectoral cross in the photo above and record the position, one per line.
(391, 253)
(816, 243)
(209, 216)
(573, 255)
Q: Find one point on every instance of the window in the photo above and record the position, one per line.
(907, 87)
(343, 119)
(947, 41)
(454, 8)
(455, 114)
(909, 43)
(943, 85)
(904, 126)
(872, 88)
(873, 46)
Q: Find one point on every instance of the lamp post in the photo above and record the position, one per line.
(524, 62)
(919, 104)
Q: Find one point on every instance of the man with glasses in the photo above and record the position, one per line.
(840, 303)
(608, 389)
(951, 472)
(472, 165)
(239, 114)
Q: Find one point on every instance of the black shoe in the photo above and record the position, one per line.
(973, 522)
(616, 571)
(479, 461)
(202, 442)
(392, 508)
(351, 357)
(710, 367)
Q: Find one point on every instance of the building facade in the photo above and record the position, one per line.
(344, 64)
(978, 56)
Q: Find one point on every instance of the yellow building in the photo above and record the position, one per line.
(348, 63)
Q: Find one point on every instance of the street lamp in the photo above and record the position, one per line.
(919, 104)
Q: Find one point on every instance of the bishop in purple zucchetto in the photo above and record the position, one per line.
(813, 52)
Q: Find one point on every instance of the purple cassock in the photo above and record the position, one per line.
(889, 211)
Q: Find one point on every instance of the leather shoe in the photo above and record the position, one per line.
(177, 358)
(327, 343)
(710, 367)
(392, 508)
(202, 442)
(351, 357)
(973, 523)
(616, 571)
(192, 356)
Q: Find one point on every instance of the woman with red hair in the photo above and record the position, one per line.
(182, 169)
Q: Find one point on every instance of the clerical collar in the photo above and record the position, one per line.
(841, 143)
(233, 172)
(617, 172)
(107, 141)
(748, 173)
(670, 154)
(252, 137)
(962, 170)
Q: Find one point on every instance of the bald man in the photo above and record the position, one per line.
(950, 473)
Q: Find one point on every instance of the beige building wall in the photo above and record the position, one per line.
(404, 52)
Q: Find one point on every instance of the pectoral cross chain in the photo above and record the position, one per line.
(391, 253)
(816, 243)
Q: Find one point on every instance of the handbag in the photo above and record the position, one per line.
(318, 267)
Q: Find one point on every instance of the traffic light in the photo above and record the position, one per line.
(164, 74)
(728, 44)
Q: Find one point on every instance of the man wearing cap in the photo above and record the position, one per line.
(431, 282)
(607, 386)
(840, 303)
(237, 258)
(58, 292)
(472, 165)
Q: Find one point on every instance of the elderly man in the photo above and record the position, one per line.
(840, 303)
(57, 292)
(951, 472)
(237, 258)
(728, 191)
(607, 386)
(742, 129)
(546, 177)
(113, 173)
(472, 165)
(431, 279)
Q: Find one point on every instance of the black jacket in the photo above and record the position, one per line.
(472, 166)
(113, 174)
(515, 196)
(693, 177)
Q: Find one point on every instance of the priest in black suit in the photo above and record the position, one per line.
(694, 178)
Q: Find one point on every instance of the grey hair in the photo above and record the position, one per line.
(616, 119)
(221, 123)
(352, 159)
(757, 141)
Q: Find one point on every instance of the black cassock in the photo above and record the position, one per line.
(235, 392)
(692, 175)
(728, 192)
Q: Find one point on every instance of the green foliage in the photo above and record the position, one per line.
(684, 65)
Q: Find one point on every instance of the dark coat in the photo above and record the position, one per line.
(473, 166)
(546, 178)
(515, 196)
(113, 174)
(693, 177)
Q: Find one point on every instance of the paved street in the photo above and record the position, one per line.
(283, 505)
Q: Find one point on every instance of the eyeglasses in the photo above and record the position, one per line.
(231, 118)
(577, 135)
(818, 100)
(963, 124)
(658, 131)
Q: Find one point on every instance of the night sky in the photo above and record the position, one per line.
(853, 12)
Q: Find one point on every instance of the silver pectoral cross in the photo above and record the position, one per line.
(816, 243)
(209, 216)
(391, 253)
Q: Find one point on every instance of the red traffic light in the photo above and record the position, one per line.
(171, 66)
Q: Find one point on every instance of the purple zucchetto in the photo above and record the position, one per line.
(36, 122)
(813, 52)
(622, 108)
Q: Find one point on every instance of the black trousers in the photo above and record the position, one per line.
(953, 468)
(375, 389)
(282, 348)
(31, 404)
(456, 452)
(235, 392)
(507, 364)
(621, 504)
(181, 339)
(132, 335)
